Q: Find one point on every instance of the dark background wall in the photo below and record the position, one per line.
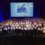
(39, 10)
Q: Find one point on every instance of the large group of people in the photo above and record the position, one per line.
(26, 25)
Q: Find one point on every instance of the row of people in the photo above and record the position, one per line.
(24, 25)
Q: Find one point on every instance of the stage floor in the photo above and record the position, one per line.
(23, 41)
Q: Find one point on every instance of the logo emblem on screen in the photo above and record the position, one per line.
(21, 9)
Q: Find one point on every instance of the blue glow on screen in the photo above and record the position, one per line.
(21, 9)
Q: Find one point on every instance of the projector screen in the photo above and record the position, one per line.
(24, 9)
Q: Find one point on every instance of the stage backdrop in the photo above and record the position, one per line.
(1, 13)
(38, 8)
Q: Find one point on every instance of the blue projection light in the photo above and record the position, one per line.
(21, 9)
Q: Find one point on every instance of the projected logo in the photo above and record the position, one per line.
(21, 9)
